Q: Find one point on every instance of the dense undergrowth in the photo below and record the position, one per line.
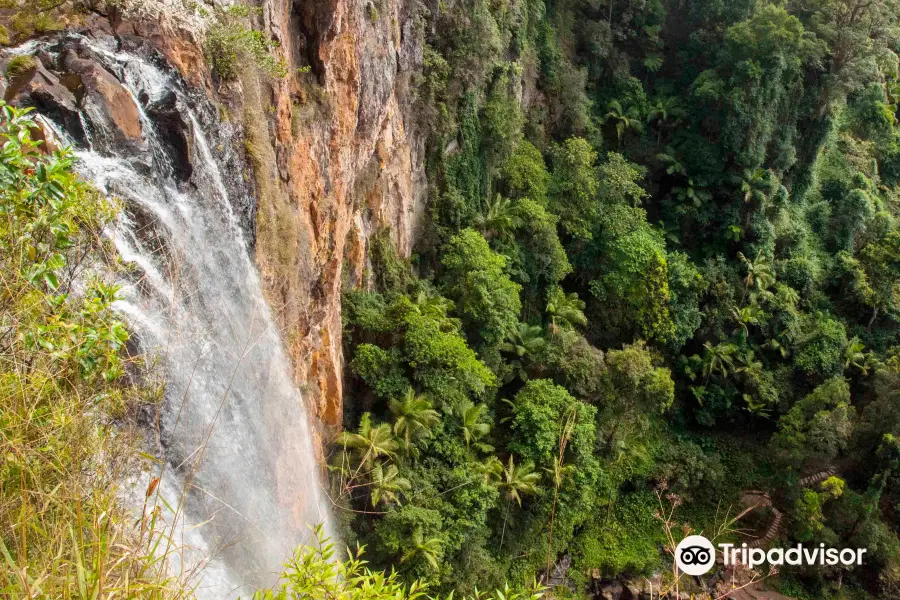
(62, 386)
(660, 266)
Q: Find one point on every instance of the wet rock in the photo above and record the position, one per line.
(611, 590)
(116, 20)
(18, 80)
(98, 25)
(178, 46)
(44, 91)
(45, 133)
(558, 575)
(174, 133)
(103, 96)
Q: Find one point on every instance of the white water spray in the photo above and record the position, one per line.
(240, 470)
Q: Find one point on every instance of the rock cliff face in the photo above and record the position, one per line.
(337, 158)
(333, 147)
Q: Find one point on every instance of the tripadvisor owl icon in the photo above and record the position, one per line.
(695, 555)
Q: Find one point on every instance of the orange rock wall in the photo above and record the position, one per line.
(335, 158)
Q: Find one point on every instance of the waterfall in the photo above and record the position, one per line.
(240, 471)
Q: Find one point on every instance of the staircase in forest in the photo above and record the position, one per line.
(817, 477)
(763, 500)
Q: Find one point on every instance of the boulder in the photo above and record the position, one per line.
(611, 590)
(18, 80)
(169, 122)
(103, 96)
(45, 92)
(46, 134)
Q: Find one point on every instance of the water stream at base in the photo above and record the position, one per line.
(240, 468)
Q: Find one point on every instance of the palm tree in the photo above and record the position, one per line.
(855, 356)
(413, 418)
(490, 469)
(748, 315)
(754, 184)
(654, 62)
(473, 428)
(498, 218)
(623, 119)
(387, 484)
(786, 295)
(370, 442)
(759, 273)
(754, 369)
(691, 192)
(774, 344)
(516, 482)
(670, 160)
(718, 358)
(688, 190)
(893, 92)
(429, 549)
(665, 108)
(565, 309)
(560, 473)
(435, 306)
(524, 340)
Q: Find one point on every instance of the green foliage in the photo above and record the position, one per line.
(524, 344)
(370, 442)
(30, 18)
(525, 174)
(539, 258)
(878, 284)
(817, 427)
(636, 389)
(821, 342)
(574, 187)
(808, 516)
(232, 45)
(686, 287)
(626, 541)
(760, 72)
(413, 418)
(476, 279)
(566, 311)
(503, 119)
(61, 385)
(639, 279)
(381, 369)
(540, 411)
(18, 65)
(442, 361)
(391, 272)
(319, 572)
(712, 306)
(578, 365)
(413, 342)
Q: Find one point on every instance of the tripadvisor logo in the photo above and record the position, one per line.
(695, 555)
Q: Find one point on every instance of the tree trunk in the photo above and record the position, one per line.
(550, 540)
(505, 517)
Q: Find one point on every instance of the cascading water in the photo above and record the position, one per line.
(240, 469)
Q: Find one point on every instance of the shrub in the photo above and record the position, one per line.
(315, 572)
(231, 45)
(19, 65)
(61, 365)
